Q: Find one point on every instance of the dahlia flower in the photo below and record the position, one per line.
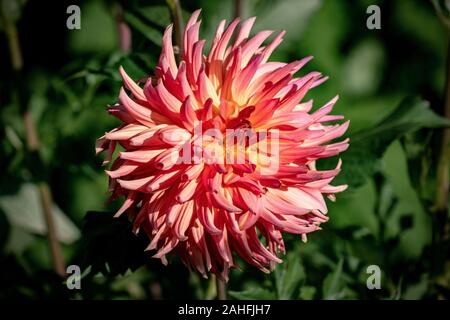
(218, 152)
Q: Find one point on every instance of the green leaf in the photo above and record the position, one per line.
(19, 240)
(361, 160)
(307, 293)
(24, 210)
(288, 277)
(144, 28)
(332, 284)
(159, 15)
(418, 235)
(133, 68)
(12, 9)
(98, 30)
(417, 290)
(290, 15)
(368, 55)
(72, 98)
(419, 153)
(412, 114)
(253, 294)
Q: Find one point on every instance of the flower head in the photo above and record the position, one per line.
(219, 151)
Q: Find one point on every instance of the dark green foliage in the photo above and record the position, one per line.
(390, 83)
(368, 146)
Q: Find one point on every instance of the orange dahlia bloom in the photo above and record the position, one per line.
(218, 152)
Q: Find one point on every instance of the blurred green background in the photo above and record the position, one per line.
(391, 85)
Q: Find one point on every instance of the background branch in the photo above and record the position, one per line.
(221, 289)
(237, 8)
(177, 18)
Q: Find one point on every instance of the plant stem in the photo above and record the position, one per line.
(123, 30)
(177, 18)
(237, 8)
(55, 249)
(221, 289)
(13, 45)
(442, 188)
(32, 140)
(441, 222)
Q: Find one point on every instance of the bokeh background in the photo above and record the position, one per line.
(391, 84)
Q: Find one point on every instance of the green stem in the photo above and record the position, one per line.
(441, 222)
(442, 187)
(177, 18)
(221, 289)
(237, 8)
